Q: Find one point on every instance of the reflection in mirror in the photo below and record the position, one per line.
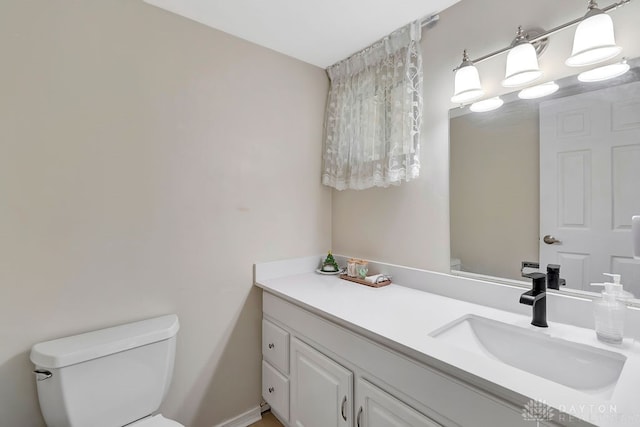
(565, 166)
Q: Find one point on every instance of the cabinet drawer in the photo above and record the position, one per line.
(275, 390)
(275, 346)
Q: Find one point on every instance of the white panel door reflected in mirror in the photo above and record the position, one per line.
(590, 184)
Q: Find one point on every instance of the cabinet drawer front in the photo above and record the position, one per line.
(275, 346)
(275, 390)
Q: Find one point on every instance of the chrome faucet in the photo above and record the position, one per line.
(537, 298)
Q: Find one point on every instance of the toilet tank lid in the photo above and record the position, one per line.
(91, 345)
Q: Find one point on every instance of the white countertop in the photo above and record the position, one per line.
(406, 316)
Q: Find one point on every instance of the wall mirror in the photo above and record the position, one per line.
(565, 166)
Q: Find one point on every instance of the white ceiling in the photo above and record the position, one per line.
(318, 32)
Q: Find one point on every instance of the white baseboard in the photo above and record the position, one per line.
(243, 420)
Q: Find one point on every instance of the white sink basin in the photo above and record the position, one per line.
(581, 367)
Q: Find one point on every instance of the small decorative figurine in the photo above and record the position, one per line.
(330, 264)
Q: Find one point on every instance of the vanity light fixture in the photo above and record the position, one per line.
(605, 72)
(594, 40)
(467, 86)
(485, 105)
(539, 91)
(522, 62)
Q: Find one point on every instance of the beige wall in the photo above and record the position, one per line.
(494, 194)
(409, 225)
(146, 162)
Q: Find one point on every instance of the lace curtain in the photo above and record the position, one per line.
(374, 113)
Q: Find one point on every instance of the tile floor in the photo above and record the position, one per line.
(268, 420)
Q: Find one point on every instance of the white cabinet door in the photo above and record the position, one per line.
(376, 408)
(321, 389)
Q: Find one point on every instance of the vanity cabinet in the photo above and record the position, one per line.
(321, 389)
(334, 375)
(376, 408)
(275, 389)
(275, 368)
(275, 346)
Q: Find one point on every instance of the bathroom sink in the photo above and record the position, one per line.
(579, 366)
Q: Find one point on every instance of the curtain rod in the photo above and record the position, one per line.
(429, 21)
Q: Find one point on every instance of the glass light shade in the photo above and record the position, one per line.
(522, 66)
(538, 91)
(487, 105)
(467, 85)
(604, 73)
(593, 41)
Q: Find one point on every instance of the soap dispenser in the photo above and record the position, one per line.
(610, 310)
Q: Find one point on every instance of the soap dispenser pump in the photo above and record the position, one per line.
(610, 310)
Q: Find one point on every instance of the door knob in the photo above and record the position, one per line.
(550, 240)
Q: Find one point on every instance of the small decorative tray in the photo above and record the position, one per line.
(364, 282)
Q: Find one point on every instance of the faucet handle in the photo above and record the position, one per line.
(553, 268)
(553, 274)
(529, 265)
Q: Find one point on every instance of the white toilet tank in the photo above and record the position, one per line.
(106, 378)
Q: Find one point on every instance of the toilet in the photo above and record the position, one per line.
(108, 378)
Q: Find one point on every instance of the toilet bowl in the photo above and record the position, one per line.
(112, 377)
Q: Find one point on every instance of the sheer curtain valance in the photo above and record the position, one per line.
(374, 114)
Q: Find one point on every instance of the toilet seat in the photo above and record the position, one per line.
(155, 421)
